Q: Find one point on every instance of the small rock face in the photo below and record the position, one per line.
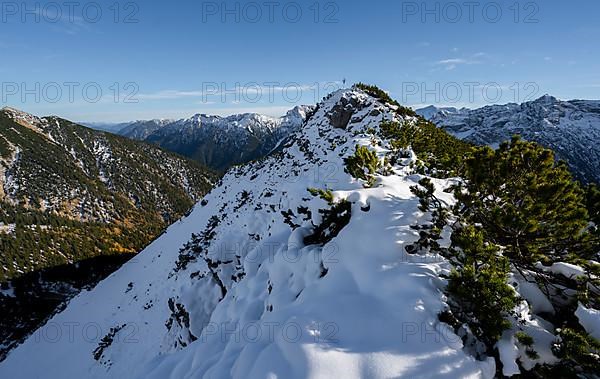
(342, 113)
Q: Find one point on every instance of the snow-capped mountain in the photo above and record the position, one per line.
(105, 126)
(220, 142)
(430, 111)
(258, 282)
(570, 128)
(140, 130)
(293, 268)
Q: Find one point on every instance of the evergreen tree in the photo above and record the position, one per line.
(579, 353)
(516, 206)
(385, 97)
(593, 204)
(362, 165)
(525, 201)
(479, 284)
(442, 154)
(429, 235)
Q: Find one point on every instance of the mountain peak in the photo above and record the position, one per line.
(546, 99)
(25, 119)
(430, 111)
(16, 112)
(217, 141)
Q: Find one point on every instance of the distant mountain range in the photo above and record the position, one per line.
(570, 128)
(215, 141)
(431, 111)
(105, 126)
(74, 204)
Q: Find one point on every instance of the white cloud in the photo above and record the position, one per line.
(246, 91)
(169, 95)
(452, 63)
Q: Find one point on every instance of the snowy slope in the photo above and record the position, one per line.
(233, 291)
(570, 128)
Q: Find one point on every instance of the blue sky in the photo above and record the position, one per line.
(151, 59)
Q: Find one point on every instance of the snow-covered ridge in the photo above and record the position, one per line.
(570, 128)
(234, 291)
(251, 122)
(220, 142)
(430, 111)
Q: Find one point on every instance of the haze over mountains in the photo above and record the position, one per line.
(570, 128)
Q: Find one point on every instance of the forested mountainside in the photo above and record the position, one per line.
(70, 195)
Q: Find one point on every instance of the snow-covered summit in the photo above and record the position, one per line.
(432, 110)
(546, 99)
(220, 142)
(253, 122)
(239, 289)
